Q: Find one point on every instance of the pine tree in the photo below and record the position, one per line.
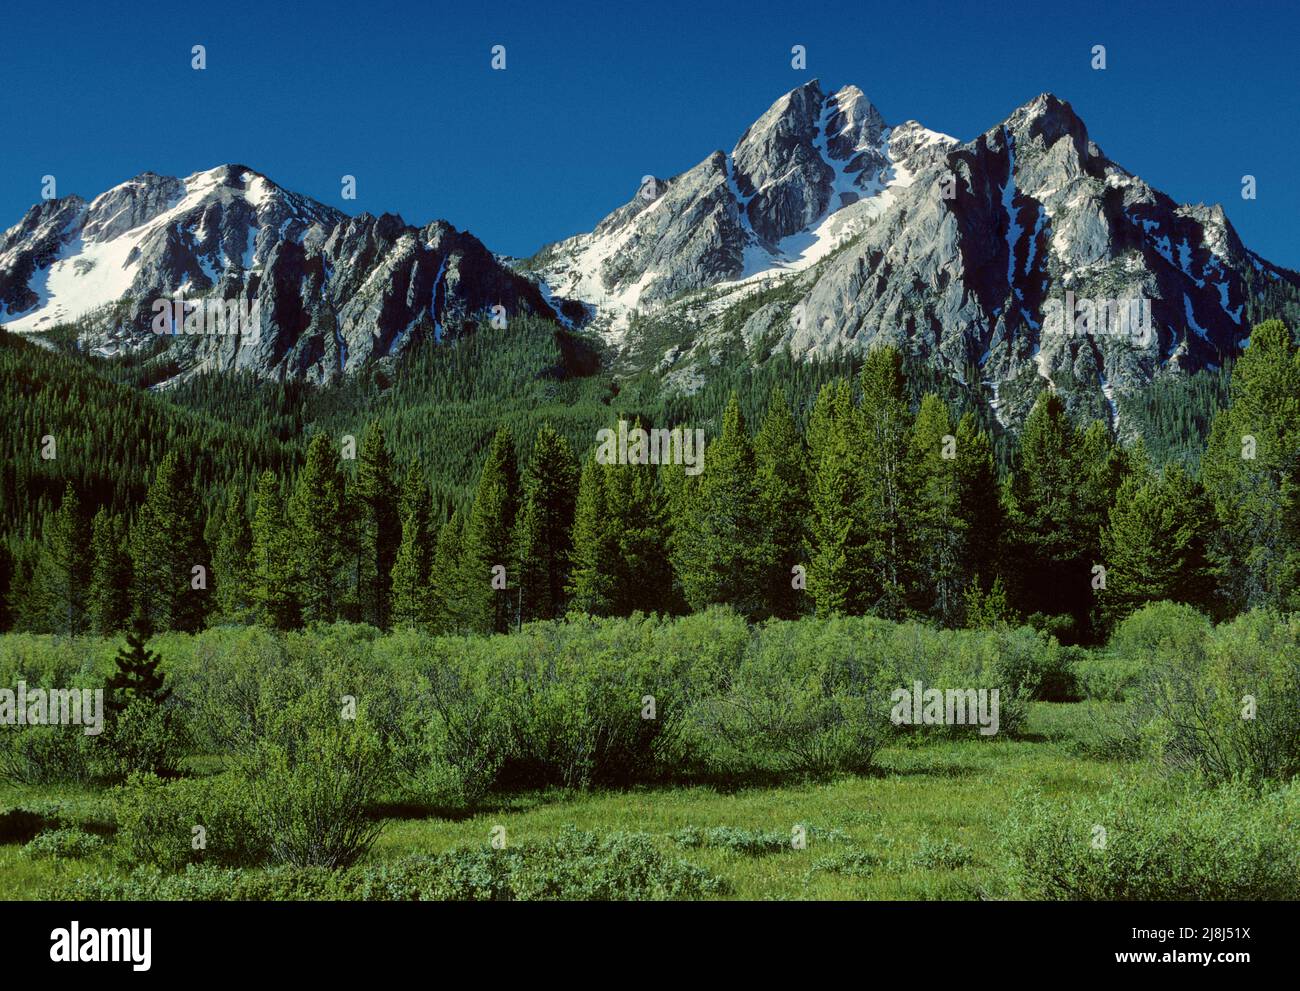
(783, 506)
(1056, 501)
(1154, 546)
(837, 568)
(232, 562)
(412, 594)
(447, 581)
(110, 583)
(488, 540)
(545, 532)
(591, 583)
(1251, 472)
(317, 515)
(275, 577)
(940, 531)
(889, 482)
(637, 528)
(979, 506)
(137, 677)
(722, 557)
(65, 568)
(166, 548)
(378, 525)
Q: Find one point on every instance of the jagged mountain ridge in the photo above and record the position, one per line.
(332, 292)
(1036, 211)
(807, 175)
(819, 198)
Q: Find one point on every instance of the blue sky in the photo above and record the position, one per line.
(596, 95)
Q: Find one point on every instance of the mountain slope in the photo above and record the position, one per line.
(325, 292)
(967, 255)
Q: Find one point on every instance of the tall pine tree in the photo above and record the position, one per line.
(166, 549)
(489, 540)
(544, 541)
(110, 583)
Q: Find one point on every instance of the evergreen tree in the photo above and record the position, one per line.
(232, 562)
(412, 602)
(837, 566)
(979, 506)
(889, 481)
(447, 582)
(783, 506)
(1153, 546)
(722, 557)
(1251, 472)
(110, 583)
(166, 548)
(638, 531)
(1056, 502)
(275, 578)
(65, 569)
(591, 582)
(379, 527)
(317, 516)
(137, 677)
(488, 540)
(940, 531)
(545, 531)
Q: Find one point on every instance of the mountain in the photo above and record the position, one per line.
(326, 293)
(836, 231)
(809, 174)
(824, 230)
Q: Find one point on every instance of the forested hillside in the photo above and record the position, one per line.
(459, 493)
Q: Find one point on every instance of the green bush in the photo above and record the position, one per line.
(1227, 707)
(45, 755)
(313, 774)
(572, 866)
(944, 854)
(144, 738)
(65, 843)
(1161, 634)
(157, 821)
(1157, 844)
(809, 699)
(752, 842)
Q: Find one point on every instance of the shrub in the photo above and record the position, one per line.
(144, 738)
(944, 854)
(44, 755)
(1223, 844)
(1161, 634)
(312, 776)
(157, 819)
(1228, 709)
(809, 699)
(66, 843)
(572, 866)
(850, 863)
(752, 842)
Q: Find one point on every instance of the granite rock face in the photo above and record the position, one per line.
(322, 293)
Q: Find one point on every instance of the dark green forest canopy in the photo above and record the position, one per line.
(438, 412)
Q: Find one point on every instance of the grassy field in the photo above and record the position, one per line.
(926, 827)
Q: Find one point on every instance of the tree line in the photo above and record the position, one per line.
(878, 506)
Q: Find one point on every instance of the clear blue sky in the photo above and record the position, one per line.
(596, 95)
